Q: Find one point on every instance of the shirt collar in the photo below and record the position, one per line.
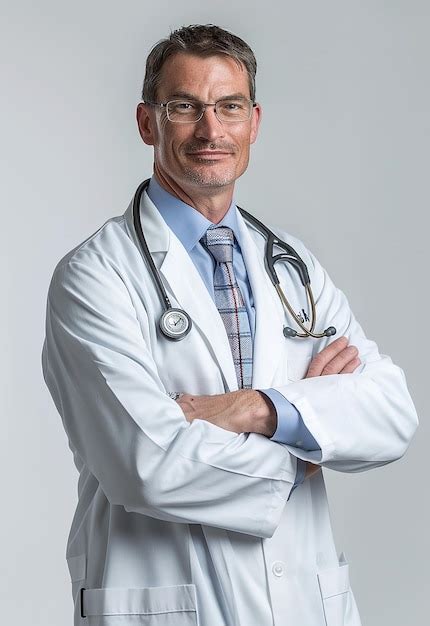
(188, 224)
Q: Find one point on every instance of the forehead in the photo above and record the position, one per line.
(218, 75)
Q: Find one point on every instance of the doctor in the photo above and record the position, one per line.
(208, 508)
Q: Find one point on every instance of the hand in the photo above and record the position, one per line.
(336, 358)
(245, 410)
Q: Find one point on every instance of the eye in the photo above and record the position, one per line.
(183, 107)
(232, 105)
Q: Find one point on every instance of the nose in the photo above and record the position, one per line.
(209, 127)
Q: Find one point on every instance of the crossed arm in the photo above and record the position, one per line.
(250, 411)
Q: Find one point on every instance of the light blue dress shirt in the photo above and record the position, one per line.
(189, 225)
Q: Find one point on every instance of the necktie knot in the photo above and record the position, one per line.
(219, 240)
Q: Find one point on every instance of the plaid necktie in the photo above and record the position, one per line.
(218, 240)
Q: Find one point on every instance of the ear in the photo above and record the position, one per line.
(257, 113)
(146, 123)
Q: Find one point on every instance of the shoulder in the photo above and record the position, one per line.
(297, 244)
(101, 242)
(294, 242)
(95, 260)
(317, 274)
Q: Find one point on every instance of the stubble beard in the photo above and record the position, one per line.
(208, 178)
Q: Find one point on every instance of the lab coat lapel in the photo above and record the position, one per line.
(185, 286)
(269, 341)
(192, 295)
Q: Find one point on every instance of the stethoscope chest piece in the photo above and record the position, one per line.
(175, 324)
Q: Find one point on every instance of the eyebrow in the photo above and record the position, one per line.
(190, 96)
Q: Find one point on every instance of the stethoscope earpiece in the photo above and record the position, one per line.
(289, 332)
(331, 330)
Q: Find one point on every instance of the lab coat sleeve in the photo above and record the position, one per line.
(360, 420)
(130, 434)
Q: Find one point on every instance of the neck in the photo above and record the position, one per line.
(212, 202)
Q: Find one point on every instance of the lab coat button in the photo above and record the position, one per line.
(278, 568)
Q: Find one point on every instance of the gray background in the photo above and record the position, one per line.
(341, 161)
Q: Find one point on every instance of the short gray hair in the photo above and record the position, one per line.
(201, 40)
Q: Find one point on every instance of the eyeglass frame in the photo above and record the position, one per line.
(204, 106)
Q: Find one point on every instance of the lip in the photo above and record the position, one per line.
(209, 153)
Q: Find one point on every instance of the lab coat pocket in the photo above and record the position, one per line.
(297, 367)
(146, 606)
(335, 591)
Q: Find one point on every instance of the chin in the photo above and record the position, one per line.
(206, 178)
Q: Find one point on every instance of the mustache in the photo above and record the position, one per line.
(198, 147)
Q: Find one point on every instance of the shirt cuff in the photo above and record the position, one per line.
(291, 428)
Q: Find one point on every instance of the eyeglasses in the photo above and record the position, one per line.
(190, 111)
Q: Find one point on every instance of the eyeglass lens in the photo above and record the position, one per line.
(226, 110)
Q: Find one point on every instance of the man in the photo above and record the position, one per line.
(201, 495)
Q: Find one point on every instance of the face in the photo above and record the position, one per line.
(207, 153)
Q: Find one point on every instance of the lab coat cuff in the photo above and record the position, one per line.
(284, 488)
(300, 475)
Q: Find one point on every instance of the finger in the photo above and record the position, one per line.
(336, 365)
(325, 356)
(351, 366)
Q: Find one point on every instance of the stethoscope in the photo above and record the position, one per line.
(175, 323)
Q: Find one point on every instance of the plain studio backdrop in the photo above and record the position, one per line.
(342, 162)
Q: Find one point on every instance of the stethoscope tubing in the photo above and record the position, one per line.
(148, 257)
(289, 255)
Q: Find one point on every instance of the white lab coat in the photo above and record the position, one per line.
(181, 524)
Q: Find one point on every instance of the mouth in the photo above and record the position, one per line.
(211, 155)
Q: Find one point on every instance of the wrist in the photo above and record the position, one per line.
(266, 416)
